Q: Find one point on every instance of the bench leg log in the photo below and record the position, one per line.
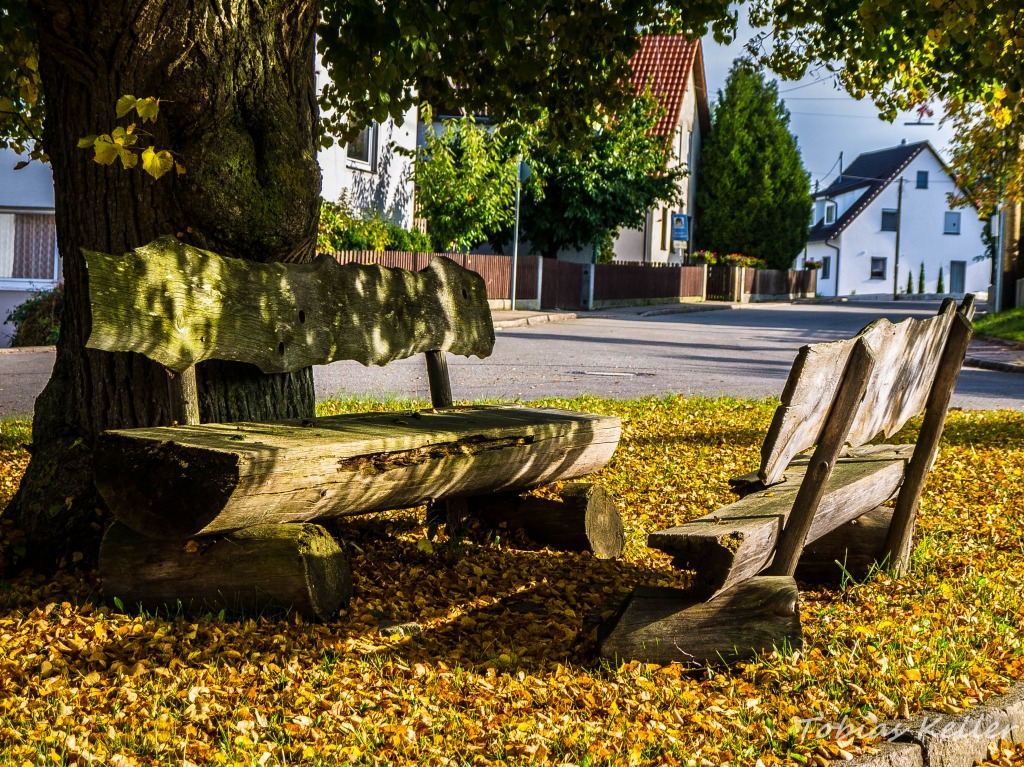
(852, 549)
(664, 625)
(297, 566)
(583, 518)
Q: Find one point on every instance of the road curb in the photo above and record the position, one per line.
(538, 319)
(1004, 367)
(932, 739)
(26, 349)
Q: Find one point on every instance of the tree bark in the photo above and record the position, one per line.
(239, 111)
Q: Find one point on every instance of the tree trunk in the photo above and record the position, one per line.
(239, 112)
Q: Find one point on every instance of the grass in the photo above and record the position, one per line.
(1008, 325)
(486, 683)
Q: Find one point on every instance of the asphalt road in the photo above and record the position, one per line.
(745, 352)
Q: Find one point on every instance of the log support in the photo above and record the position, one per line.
(269, 567)
(663, 625)
(582, 518)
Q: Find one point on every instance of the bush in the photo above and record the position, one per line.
(732, 259)
(37, 321)
(341, 228)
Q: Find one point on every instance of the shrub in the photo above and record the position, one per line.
(341, 228)
(37, 320)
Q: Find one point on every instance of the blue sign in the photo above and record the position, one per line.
(680, 227)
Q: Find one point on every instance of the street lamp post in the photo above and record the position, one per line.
(522, 173)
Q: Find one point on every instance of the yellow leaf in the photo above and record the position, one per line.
(155, 163)
(148, 108)
(86, 141)
(128, 158)
(106, 150)
(125, 104)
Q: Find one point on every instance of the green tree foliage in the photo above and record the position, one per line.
(910, 282)
(920, 279)
(37, 320)
(581, 195)
(901, 53)
(753, 194)
(518, 61)
(341, 228)
(21, 103)
(986, 154)
(941, 288)
(466, 183)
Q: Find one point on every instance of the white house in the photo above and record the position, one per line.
(370, 171)
(28, 241)
(895, 195)
(672, 66)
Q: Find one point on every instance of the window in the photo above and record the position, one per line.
(27, 248)
(830, 213)
(878, 268)
(826, 267)
(952, 223)
(362, 150)
(890, 219)
(922, 179)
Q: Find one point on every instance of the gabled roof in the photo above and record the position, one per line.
(872, 172)
(664, 63)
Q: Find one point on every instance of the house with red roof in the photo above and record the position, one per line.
(672, 67)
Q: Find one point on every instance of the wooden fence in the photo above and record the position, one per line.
(496, 270)
(549, 284)
(624, 284)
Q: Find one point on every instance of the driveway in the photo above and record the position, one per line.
(744, 352)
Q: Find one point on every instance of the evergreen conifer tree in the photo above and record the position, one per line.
(920, 279)
(910, 282)
(942, 285)
(753, 193)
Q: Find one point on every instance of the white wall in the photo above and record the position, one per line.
(922, 240)
(25, 189)
(387, 185)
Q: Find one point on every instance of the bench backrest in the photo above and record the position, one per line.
(180, 305)
(906, 362)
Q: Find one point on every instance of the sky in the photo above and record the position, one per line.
(824, 119)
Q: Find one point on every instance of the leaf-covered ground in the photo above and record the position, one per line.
(503, 671)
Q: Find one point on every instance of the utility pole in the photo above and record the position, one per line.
(896, 264)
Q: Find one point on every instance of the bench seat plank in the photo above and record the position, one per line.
(738, 541)
(178, 482)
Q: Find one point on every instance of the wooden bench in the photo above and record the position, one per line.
(839, 396)
(201, 508)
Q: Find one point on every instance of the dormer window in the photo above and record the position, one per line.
(830, 213)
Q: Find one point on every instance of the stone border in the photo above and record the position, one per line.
(1004, 367)
(941, 740)
(536, 319)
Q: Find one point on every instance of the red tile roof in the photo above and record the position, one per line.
(664, 63)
